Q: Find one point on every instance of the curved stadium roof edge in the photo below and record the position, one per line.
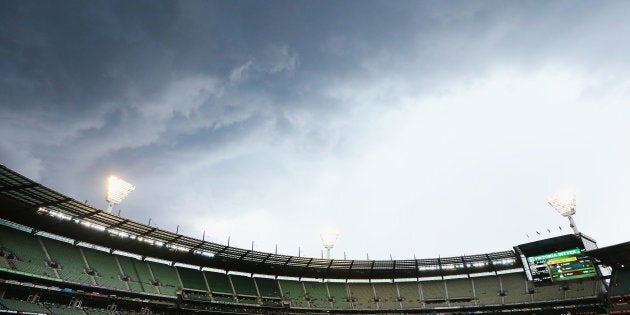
(29, 203)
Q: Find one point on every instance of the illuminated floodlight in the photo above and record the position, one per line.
(329, 237)
(117, 190)
(564, 203)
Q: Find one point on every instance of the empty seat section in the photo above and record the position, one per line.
(166, 277)
(317, 294)
(192, 279)
(434, 293)
(293, 292)
(362, 295)
(460, 292)
(268, 287)
(487, 290)
(515, 288)
(459, 288)
(387, 295)
(244, 285)
(219, 282)
(138, 273)
(23, 306)
(68, 257)
(339, 294)
(29, 254)
(582, 289)
(106, 267)
(410, 294)
(548, 293)
(58, 310)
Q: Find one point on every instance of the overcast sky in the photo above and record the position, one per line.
(413, 127)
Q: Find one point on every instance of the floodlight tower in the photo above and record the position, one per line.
(329, 236)
(117, 190)
(564, 203)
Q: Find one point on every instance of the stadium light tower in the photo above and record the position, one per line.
(117, 190)
(329, 237)
(564, 203)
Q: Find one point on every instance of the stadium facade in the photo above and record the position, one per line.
(62, 256)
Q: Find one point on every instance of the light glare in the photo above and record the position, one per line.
(563, 202)
(117, 190)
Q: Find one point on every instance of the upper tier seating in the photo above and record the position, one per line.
(192, 279)
(70, 261)
(244, 285)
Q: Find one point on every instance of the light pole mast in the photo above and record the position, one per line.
(117, 190)
(329, 237)
(564, 203)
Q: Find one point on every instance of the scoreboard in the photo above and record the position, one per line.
(560, 266)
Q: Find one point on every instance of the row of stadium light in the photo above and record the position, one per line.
(118, 233)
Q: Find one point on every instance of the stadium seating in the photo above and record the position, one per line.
(58, 310)
(487, 290)
(515, 288)
(339, 294)
(294, 293)
(139, 277)
(582, 289)
(362, 295)
(127, 273)
(192, 279)
(108, 272)
(433, 293)
(29, 253)
(410, 294)
(268, 287)
(387, 295)
(166, 277)
(460, 292)
(244, 285)
(69, 259)
(219, 283)
(23, 306)
(317, 293)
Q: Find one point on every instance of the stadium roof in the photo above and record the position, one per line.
(26, 202)
(613, 255)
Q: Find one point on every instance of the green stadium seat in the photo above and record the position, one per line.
(70, 261)
(460, 292)
(244, 285)
(582, 289)
(58, 310)
(433, 293)
(293, 292)
(29, 253)
(515, 287)
(410, 293)
(317, 293)
(219, 282)
(166, 276)
(23, 306)
(268, 287)
(139, 277)
(362, 295)
(487, 290)
(108, 272)
(387, 295)
(192, 279)
(339, 293)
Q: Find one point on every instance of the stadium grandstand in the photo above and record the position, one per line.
(62, 256)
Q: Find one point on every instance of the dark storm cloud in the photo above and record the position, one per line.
(219, 95)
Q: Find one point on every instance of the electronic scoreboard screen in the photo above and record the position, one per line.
(560, 266)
